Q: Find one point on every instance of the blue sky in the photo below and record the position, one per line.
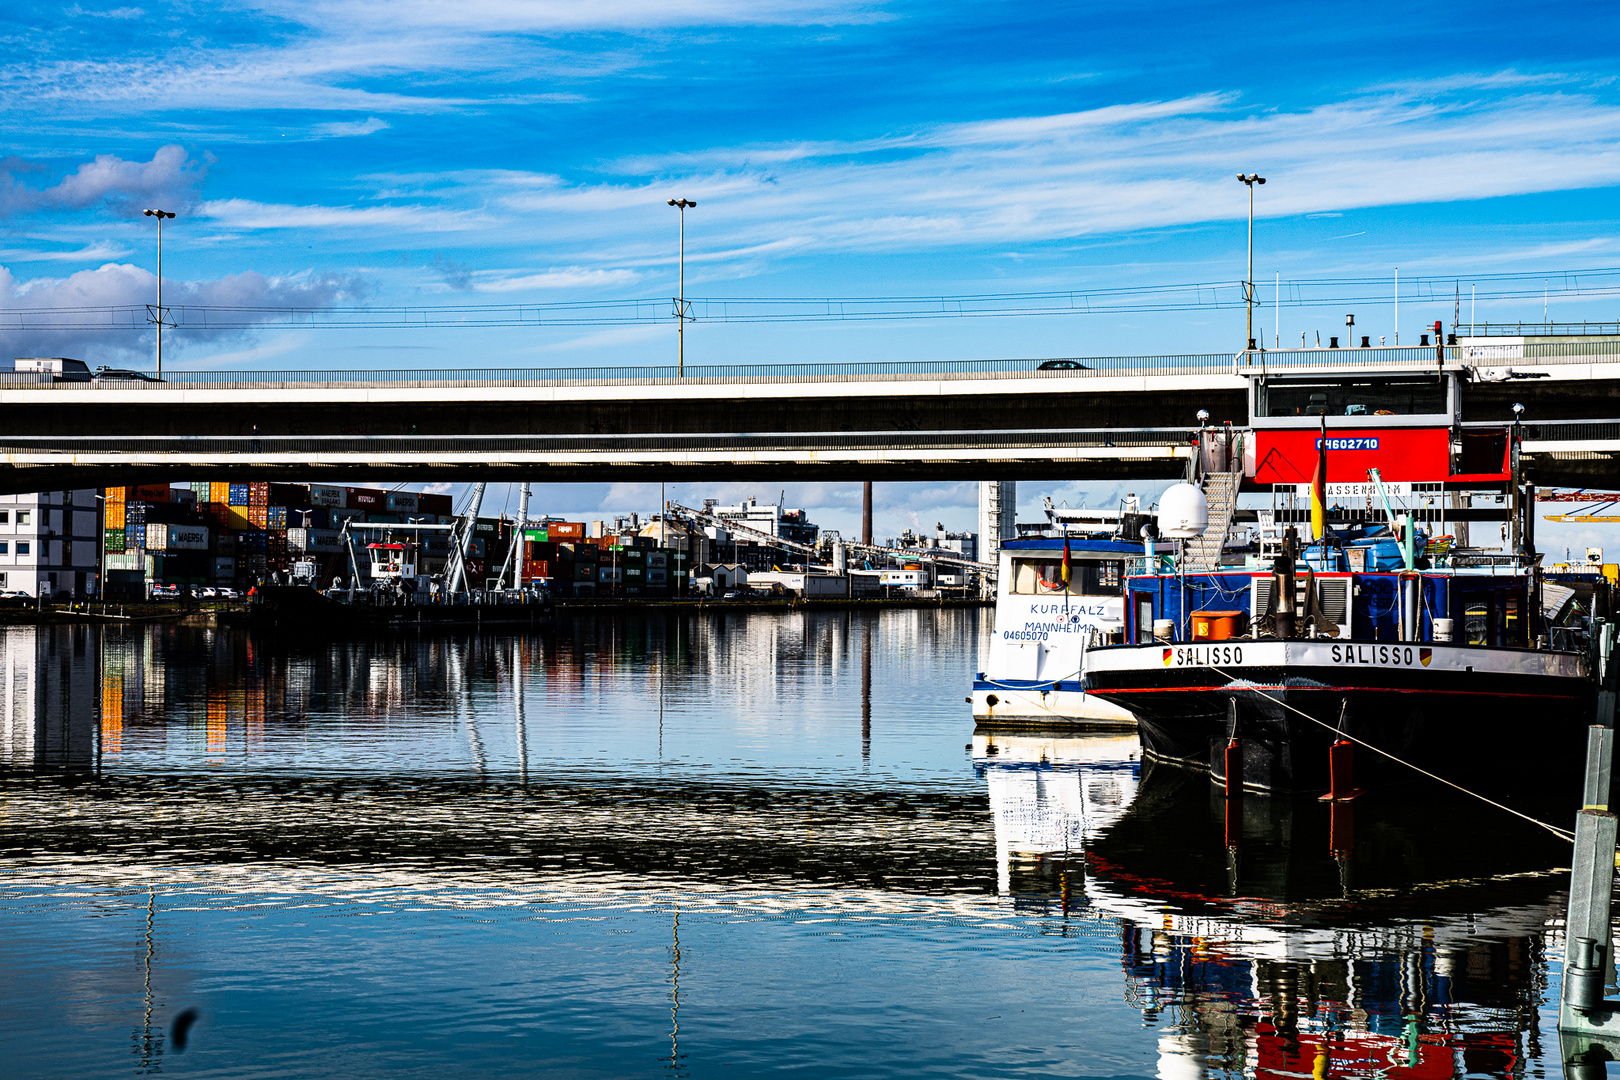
(347, 151)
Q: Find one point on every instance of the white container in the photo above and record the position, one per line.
(1163, 629)
(1183, 512)
(161, 537)
(1443, 629)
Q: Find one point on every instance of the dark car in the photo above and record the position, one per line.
(1063, 365)
(115, 374)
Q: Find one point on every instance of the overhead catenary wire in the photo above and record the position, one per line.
(1144, 299)
(1564, 834)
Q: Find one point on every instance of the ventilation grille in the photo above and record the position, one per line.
(1334, 596)
(1259, 597)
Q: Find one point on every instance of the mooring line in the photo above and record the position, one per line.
(1563, 834)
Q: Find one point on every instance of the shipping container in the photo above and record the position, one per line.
(224, 569)
(225, 543)
(258, 494)
(219, 492)
(366, 499)
(565, 530)
(120, 560)
(586, 553)
(403, 501)
(259, 516)
(114, 516)
(538, 536)
(277, 517)
(182, 496)
(657, 560)
(163, 537)
(539, 549)
(114, 540)
(238, 495)
(429, 503)
(336, 517)
(152, 493)
(486, 526)
(585, 571)
(116, 494)
(328, 495)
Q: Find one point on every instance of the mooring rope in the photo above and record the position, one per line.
(1563, 834)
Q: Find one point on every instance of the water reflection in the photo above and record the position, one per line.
(717, 845)
(1418, 949)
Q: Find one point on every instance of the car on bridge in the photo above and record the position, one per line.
(107, 374)
(1063, 365)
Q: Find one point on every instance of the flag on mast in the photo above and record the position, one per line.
(1319, 487)
(1065, 560)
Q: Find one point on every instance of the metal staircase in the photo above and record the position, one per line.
(1221, 492)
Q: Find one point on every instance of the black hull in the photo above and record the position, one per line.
(1506, 730)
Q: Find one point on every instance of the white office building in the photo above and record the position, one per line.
(51, 541)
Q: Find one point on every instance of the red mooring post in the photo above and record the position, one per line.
(1342, 772)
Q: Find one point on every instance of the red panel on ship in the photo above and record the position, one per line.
(1401, 455)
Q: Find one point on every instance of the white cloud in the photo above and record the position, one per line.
(572, 277)
(97, 252)
(169, 181)
(96, 314)
(341, 129)
(247, 214)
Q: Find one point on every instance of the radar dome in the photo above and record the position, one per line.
(1183, 512)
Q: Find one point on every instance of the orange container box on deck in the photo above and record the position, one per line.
(1216, 625)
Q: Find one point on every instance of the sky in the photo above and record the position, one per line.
(327, 154)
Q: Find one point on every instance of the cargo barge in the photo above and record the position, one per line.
(1380, 630)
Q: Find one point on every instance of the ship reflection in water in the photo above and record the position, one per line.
(724, 845)
(1395, 937)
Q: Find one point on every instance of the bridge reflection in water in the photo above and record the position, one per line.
(1423, 951)
(797, 787)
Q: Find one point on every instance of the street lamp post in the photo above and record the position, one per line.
(160, 215)
(683, 314)
(1250, 179)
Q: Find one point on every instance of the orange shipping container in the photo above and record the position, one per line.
(115, 515)
(117, 495)
(219, 493)
(259, 516)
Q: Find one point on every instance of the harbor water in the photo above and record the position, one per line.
(714, 844)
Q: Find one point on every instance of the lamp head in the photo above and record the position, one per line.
(1203, 416)
(1518, 410)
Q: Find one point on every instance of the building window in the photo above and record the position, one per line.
(23, 547)
(5, 548)
(24, 517)
(5, 517)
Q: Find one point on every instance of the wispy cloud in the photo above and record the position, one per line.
(171, 179)
(98, 252)
(343, 128)
(245, 214)
(572, 277)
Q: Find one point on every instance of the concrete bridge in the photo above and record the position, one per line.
(1106, 418)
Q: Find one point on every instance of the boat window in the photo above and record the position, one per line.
(1477, 624)
(1371, 397)
(1086, 578)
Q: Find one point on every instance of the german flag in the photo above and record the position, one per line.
(1065, 560)
(1319, 487)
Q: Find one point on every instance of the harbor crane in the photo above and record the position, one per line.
(695, 515)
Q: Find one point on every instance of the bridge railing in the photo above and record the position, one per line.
(392, 445)
(1083, 367)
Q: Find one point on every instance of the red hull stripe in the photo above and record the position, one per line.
(1323, 690)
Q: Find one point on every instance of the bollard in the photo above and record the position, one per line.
(1342, 772)
(1583, 974)
(1586, 927)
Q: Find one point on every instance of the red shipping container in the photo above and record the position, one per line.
(434, 504)
(565, 530)
(150, 493)
(367, 499)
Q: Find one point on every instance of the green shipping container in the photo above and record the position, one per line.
(536, 535)
(115, 540)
